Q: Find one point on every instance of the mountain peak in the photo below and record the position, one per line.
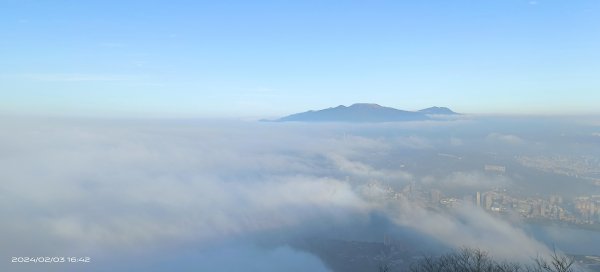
(438, 110)
(365, 105)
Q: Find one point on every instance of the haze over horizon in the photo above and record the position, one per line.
(265, 59)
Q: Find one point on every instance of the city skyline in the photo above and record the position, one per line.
(268, 59)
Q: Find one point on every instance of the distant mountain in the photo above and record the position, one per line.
(364, 112)
(438, 110)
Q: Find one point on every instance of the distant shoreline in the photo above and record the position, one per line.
(548, 222)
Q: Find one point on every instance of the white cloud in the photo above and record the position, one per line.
(471, 227)
(113, 186)
(83, 186)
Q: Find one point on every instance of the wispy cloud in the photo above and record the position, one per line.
(70, 77)
(471, 226)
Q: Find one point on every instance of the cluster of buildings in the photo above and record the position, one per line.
(580, 210)
(583, 210)
(588, 208)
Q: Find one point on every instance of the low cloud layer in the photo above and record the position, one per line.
(73, 187)
(471, 227)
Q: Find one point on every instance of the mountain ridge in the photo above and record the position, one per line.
(364, 113)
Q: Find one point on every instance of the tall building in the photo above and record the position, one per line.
(478, 199)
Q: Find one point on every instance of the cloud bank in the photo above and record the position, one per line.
(101, 187)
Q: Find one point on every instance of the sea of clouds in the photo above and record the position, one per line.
(213, 195)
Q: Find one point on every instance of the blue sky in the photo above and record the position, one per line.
(248, 59)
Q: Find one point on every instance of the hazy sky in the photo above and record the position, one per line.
(265, 58)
